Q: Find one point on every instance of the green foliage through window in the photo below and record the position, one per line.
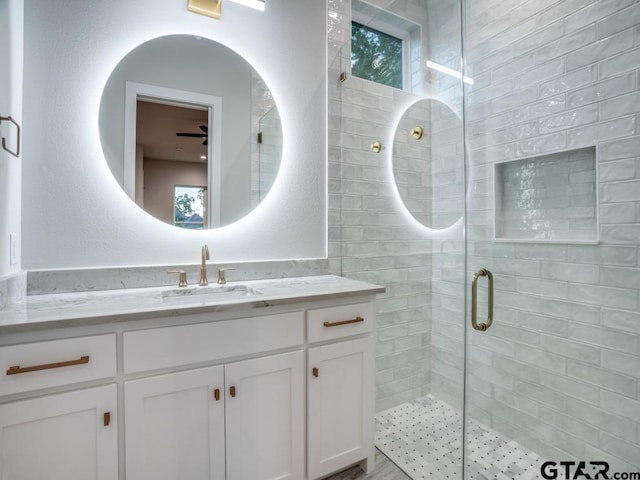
(189, 207)
(376, 56)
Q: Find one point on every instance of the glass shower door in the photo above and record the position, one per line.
(396, 206)
(552, 230)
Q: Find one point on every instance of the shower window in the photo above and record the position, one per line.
(385, 47)
(376, 56)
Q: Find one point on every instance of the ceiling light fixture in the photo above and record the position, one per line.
(449, 71)
(210, 8)
(257, 4)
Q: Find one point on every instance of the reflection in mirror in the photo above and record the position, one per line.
(170, 152)
(197, 115)
(429, 168)
(267, 157)
(189, 207)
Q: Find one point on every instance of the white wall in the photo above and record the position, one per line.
(11, 44)
(75, 213)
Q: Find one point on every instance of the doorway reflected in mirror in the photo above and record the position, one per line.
(172, 142)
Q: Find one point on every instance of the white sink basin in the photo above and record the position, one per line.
(209, 293)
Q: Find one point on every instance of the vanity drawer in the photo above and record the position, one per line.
(337, 322)
(204, 342)
(53, 363)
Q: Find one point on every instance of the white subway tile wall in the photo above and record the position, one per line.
(370, 236)
(547, 198)
(559, 371)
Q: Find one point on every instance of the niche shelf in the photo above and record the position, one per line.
(549, 198)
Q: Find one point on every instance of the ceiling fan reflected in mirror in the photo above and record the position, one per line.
(204, 135)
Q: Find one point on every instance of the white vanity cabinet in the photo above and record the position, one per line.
(276, 388)
(59, 436)
(174, 426)
(265, 418)
(238, 420)
(244, 418)
(340, 388)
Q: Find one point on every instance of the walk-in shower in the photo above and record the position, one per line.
(509, 159)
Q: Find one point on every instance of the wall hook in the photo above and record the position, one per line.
(4, 140)
(376, 147)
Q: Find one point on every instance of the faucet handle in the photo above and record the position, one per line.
(221, 277)
(203, 266)
(183, 277)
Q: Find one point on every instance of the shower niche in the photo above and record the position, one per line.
(548, 198)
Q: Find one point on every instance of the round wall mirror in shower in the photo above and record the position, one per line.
(190, 131)
(428, 163)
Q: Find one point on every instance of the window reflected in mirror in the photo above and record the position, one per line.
(189, 207)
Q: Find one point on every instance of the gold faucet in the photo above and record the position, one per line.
(203, 267)
(222, 279)
(183, 277)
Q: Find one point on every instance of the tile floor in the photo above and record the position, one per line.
(385, 470)
(424, 439)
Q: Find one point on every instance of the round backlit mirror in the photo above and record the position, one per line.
(190, 131)
(428, 163)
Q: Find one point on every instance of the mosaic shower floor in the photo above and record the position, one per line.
(424, 438)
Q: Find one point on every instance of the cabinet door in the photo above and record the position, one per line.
(60, 437)
(265, 422)
(174, 426)
(340, 405)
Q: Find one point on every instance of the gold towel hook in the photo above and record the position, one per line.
(4, 140)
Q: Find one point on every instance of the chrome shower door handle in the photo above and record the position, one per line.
(483, 272)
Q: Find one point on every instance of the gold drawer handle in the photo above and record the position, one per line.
(344, 322)
(18, 369)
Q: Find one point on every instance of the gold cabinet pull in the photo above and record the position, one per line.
(343, 322)
(16, 369)
(232, 391)
(315, 372)
(106, 419)
(483, 272)
(216, 394)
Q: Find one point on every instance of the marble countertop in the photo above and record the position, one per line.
(55, 310)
